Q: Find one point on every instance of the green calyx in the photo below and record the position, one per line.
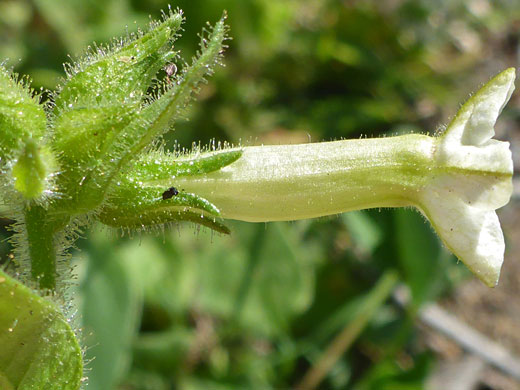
(105, 119)
(63, 163)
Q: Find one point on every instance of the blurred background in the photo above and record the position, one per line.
(356, 301)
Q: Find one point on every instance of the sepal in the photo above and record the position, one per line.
(115, 128)
(146, 195)
(160, 115)
(122, 73)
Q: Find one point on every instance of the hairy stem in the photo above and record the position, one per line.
(42, 252)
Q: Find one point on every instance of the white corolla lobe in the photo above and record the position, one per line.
(474, 179)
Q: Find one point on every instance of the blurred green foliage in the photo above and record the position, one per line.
(258, 308)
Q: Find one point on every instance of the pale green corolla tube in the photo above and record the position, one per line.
(457, 180)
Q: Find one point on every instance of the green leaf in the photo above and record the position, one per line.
(419, 254)
(259, 286)
(111, 306)
(262, 286)
(364, 231)
(39, 348)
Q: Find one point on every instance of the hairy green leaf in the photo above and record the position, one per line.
(38, 348)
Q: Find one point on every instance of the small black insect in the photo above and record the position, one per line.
(170, 193)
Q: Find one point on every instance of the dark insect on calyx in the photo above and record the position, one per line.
(170, 193)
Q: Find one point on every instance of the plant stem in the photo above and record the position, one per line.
(42, 252)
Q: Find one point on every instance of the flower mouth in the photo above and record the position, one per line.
(473, 178)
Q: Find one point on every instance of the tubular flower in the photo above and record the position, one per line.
(457, 180)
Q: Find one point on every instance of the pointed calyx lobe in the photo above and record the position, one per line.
(472, 178)
(144, 195)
